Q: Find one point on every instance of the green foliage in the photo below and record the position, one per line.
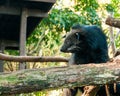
(87, 9)
(116, 6)
(43, 93)
(118, 43)
(63, 19)
(110, 8)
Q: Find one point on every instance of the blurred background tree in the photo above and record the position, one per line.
(47, 37)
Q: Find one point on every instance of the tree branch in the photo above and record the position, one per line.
(30, 80)
(32, 58)
(113, 22)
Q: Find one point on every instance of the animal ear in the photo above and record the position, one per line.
(77, 35)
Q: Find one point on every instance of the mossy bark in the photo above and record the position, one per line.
(30, 80)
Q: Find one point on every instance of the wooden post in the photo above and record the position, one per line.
(112, 39)
(1, 51)
(23, 29)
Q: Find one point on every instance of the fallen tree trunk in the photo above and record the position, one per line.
(113, 22)
(32, 58)
(30, 80)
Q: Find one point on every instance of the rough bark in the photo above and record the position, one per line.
(32, 58)
(113, 22)
(31, 80)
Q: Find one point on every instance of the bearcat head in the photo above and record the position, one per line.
(84, 37)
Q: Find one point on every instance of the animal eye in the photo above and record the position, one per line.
(64, 36)
(77, 36)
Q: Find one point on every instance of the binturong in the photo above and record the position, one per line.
(87, 44)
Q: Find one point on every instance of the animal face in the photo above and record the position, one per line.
(74, 42)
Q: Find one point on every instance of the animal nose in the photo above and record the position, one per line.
(62, 49)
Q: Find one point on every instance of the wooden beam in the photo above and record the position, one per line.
(17, 11)
(9, 43)
(36, 13)
(48, 1)
(32, 58)
(9, 10)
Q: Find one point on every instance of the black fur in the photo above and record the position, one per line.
(88, 45)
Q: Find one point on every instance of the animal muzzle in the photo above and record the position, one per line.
(62, 49)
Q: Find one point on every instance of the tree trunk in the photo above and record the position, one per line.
(113, 22)
(30, 80)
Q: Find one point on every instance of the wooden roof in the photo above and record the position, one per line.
(10, 16)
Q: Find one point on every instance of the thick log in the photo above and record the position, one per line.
(32, 58)
(113, 22)
(30, 80)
